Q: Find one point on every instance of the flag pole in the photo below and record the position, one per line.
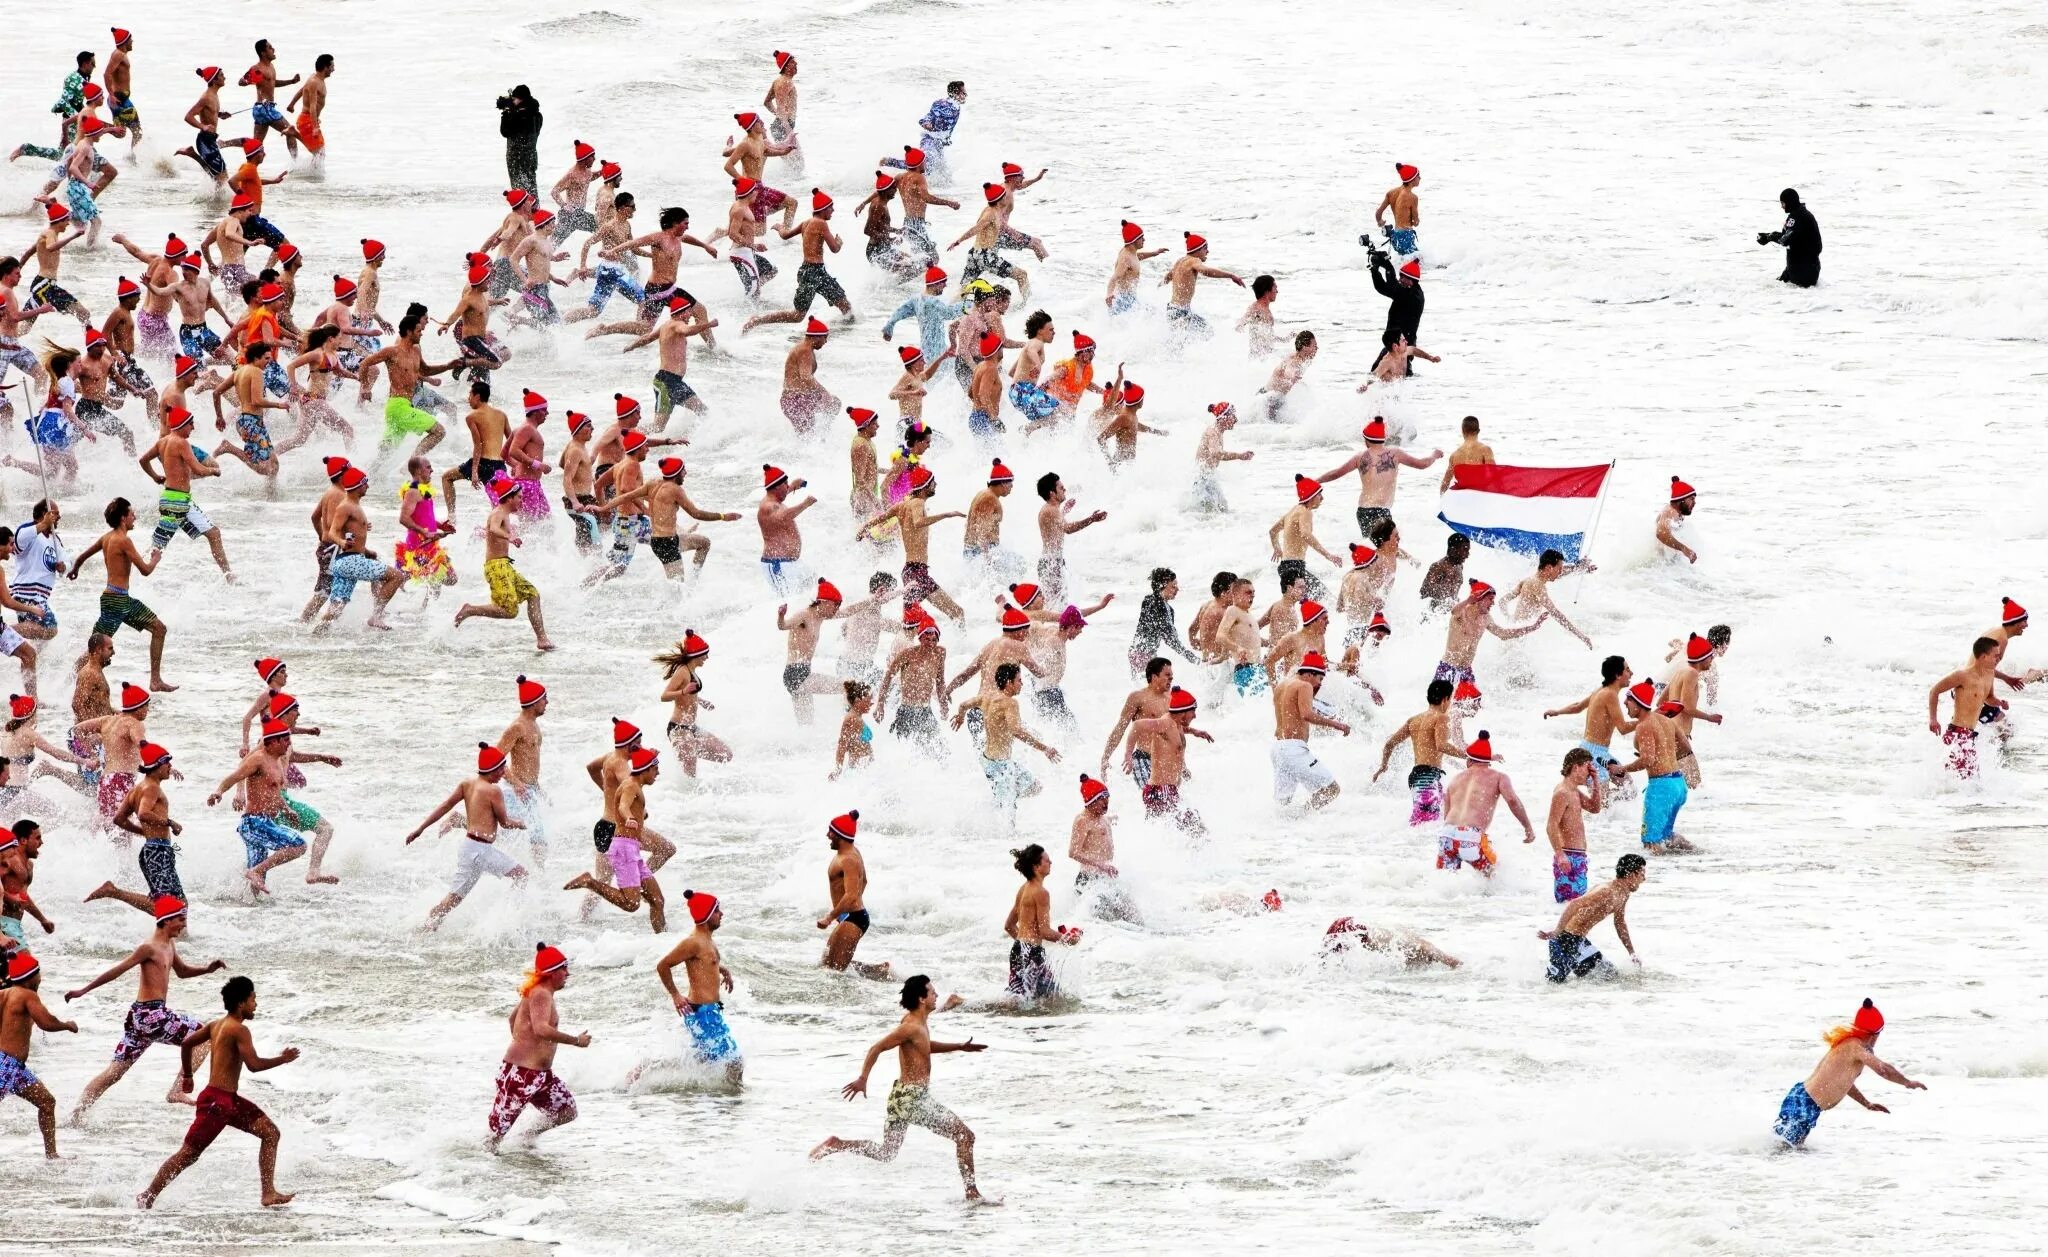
(1599, 508)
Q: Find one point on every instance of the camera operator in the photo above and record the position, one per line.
(1801, 237)
(519, 122)
(1403, 290)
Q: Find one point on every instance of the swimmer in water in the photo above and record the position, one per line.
(1418, 951)
(484, 814)
(1572, 955)
(703, 1013)
(1683, 499)
(910, 1099)
(1851, 1050)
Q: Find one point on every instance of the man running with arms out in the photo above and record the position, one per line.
(1851, 1049)
(116, 606)
(1168, 736)
(22, 1010)
(527, 1074)
(272, 821)
(508, 588)
(847, 919)
(1972, 689)
(624, 829)
(1566, 826)
(1180, 280)
(1470, 618)
(484, 814)
(1604, 719)
(149, 1021)
(221, 1104)
(910, 1100)
(1379, 472)
(703, 1013)
(1571, 954)
(176, 511)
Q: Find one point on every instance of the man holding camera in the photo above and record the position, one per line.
(1403, 290)
(1801, 237)
(519, 122)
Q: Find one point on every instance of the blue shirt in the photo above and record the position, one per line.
(932, 313)
(939, 121)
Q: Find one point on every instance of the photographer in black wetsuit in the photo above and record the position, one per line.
(1403, 291)
(1801, 238)
(519, 120)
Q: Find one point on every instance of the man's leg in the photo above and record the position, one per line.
(98, 1087)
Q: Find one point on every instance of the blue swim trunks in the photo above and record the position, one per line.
(1402, 238)
(1661, 800)
(197, 340)
(267, 113)
(14, 1076)
(1124, 302)
(255, 436)
(711, 1040)
(1032, 400)
(1602, 757)
(1796, 1116)
(50, 430)
(1570, 882)
(611, 278)
(1250, 679)
(261, 836)
(982, 424)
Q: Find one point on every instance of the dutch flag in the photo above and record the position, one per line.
(1525, 509)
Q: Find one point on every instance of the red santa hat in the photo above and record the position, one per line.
(90, 127)
(584, 152)
(373, 250)
(242, 201)
(1362, 556)
(489, 759)
(21, 967)
(624, 407)
(863, 417)
(1698, 649)
(211, 73)
(547, 959)
(782, 60)
(1180, 702)
(1026, 594)
(1222, 410)
(748, 121)
(913, 158)
(671, 469)
(353, 479)
(642, 760)
(624, 736)
(94, 93)
(1133, 234)
(518, 198)
(1476, 589)
(57, 212)
(694, 647)
(989, 346)
(632, 441)
(268, 668)
(742, 188)
(999, 474)
(829, 592)
(578, 421)
(1092, 791)
(336, 467)
(269, 294)
(884, 181)
(280, 706)
(479, 275)
(1133, 395)
(816, 327)
(542, 217)
(821, 200)
(531, 401)
(1643, 694)
(934, 276)
(344, 288)
(166, 907)
(287, 253)
(530, 692)
(610, 171)
(191, 261)
(125, 288)
(2011, 613)
(21, 706)
(1480, 752)
(1466, 692)
(275, 729)
(1379, 624)
(1412, 268)
(184, 366)
(1306, 490)
(921, 478)
(151, 757)
(700, 904)
(1015, 621)
(1311, 611)
(910, 354)
(1193, 243)
(772, 476)
(1376, 431)
(1011, 170)
(134, 698)
(1083, 342)
(176, 417)
(94, 338)
(993, 192)
(847, 826)
(1406, 171)
(121, 38)
(1312, 661)
(1680, 490)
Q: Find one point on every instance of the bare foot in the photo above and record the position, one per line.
(160, 685)
(229, 577)
(833, 1143)
(144, 1200)
(271, 1199)
(106, 891)
(322, 879)
(581, 881)
(175, 1096)
(255, 881)
(952, 1002)
(543, 644)
(376, 623)
(462, 614)
(974, 1197)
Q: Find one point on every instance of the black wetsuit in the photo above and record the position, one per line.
(1404, 306)
(1801, 238)
(519, 121)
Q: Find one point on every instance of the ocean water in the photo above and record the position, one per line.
(1866, 456)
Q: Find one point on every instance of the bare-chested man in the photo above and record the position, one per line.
(273, 823)
(488, 427)
(685, 319)
(1055, 525)
(1122, 294)
(711, 1043)
(1293, 535)
(117, 606)
(1972, 687)
(1091, 844)
(1030, 926)
(782, 546)
(1168, 736)
(176, 511)
(910, 1099)
(622, 835)
(484, 815)
(221, 1104)
(982, 256)
(1428, 733)
(917, 197)
(1683, 499)
(665, 499)
(812, 279)
(1379, 470)
(1470, 618)
(1401, 201)
(1532, 593)
(348, 530)
(1657, 738)
(1295, 708)
(149, 1020)
(1180, 280)
(744, 161)
(22, 1010)
(803, 629)
(310, 101)
(914, 528)
(1683, 688)
(1572, 955)
(846, 920)
(1851, 1050)
(1604, 719)
(1468, 810)
(1566, 825)
(1002, 724)
(1471, 451)
(917, 672)
(527, 1074)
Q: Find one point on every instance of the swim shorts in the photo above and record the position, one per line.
(1185, 322)
(14, 1076)
(601, 835)
(666, 549)
(1796, 1116)
(158, 860)
(518, 1087)
(508, 587)
(1454, 673)
(1030, 976)
(308, 128)
(213, 1112)
(918, 584)
(176, 512)
(1459, 845)
(403, 419)
(125, 112)
(348, 569)
(1962, 751)
(629, 867)
(711, 1041)
(1602, 757)
(1426, 790)
(197, 340)
(1571, 956)
(113, 791)
(150, 1022)
(477, 858)
(986, 261)
(1249, 678)
(1032, 401)
(44, 290)
(671, 391)
(206, 145)
(1163, 803)
(255, 436)
(814, 281)
(1008, 779)
(1295, 765)
(794, 676)
(911, 1104)
(613, 278)
(267, 113)
(261, 836)
(802, 408)
(1570, 881)
(117, 609)
(1662, 799)
(483, 470)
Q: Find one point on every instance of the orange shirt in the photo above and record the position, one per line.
(1070, 379)
(259, 325)
(248, 179)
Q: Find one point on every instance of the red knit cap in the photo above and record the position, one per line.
(1180, 701)
(547, 959)
(1362, 556)
(624, 735)
(1698, 649)
(1311, 611)
(1015, 621)
(845, 826)
(1306, 490)
(701, 905)
(1312, 662)
(1092, 790)
(167, 906)
(828, 592)
(134, 698)
(1132, 232)
(489, 759)
(531, 692)
(641, 760)
(1481, 752)
(1026, 593)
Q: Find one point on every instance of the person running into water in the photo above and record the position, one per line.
(703, 1013)
(527, 1074)
(1683, 499)
(910, 1100)
(812, 279)
(1180, 280)
(1971, 686)
(625, 829)
(1030, 928)
(22, 1010)
(1657, 736)
(1572, 955)
(1296, 707)
(508, 588)
(1468, 811)
(803, 629)
(1851, 1050)
(1401, 202)
(149, 1020)
(117, 607)
(1566, 825)
(273, 823)
(221, 1104)
(484, 813)
(846, 878)
(1604, 719)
